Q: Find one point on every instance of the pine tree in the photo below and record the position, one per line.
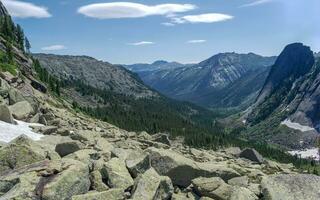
(27, 44)
(20, 37)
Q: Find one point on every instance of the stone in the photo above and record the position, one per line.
(242, 181)
(20, 152)
(291, 187)
(21, 110)
(84, 136)
(241, 193)
(234, 151)
(15, 96)
(48, 130)
(252, 154)
(69, 147)
(116, 174)
(112, 194)
(213, 187)
(162, 138)
(35, 118)
(137, 163)
(150, 185)
(182, 170)
(97, 181)
(144, 136)
(83, 155)
(73, 180)
(6, 115)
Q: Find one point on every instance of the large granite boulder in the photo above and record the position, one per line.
(20, 152)
(47, 180)
(150, 185)
(5, 114)
(116, 174)
(291, 187)
(182, 170)
(252, 154)
(137, 163)
(22, 110)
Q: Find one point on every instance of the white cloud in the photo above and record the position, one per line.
(202, 18)
(25, 9)
(255, 3)
(131, 10)
(168, 24)
(142, 43)
(54, 48)
(196, 41)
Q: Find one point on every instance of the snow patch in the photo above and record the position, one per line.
(307, 153)
(9, 132)
(296, 126)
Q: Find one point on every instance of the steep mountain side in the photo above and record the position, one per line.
(95, 73)
(210, 82)
(288, 103)
(155, 66)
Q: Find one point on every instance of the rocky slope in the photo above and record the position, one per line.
(81, 158)
(224, 80)
(290, 97)
(95, 73)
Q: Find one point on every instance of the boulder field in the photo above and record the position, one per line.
(80, 158)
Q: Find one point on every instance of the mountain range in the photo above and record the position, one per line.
(226, 80)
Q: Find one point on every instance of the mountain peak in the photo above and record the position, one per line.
(160, 62)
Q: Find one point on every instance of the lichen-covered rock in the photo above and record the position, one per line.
(182, 170)
(73, 180)
(241, 193)
(291, 187)
(150, 185)
(69, 147)
(213, 187)
(85, 156)
(97, 181)
(137, 163)
(116, 174)
(21, 110)
(112, 194)
(242, 181)
(5, 114)
(19, 152)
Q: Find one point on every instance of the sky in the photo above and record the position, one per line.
(188, 31)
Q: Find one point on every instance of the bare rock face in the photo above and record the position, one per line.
(291, 187)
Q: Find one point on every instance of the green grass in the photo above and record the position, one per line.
(8, 68)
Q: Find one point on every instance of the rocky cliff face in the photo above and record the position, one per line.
(290, 97)
(96, 73)
(224, 80)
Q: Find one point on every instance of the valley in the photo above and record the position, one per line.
(236, 126)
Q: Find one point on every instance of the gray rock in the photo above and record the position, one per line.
(162, 138)
(291, 187)
(152, 186)
(22, 110)
(6, 115)
(182, 170)
(116, 174)
(213, 187)
(69, 147)
(252, 154)
(137, 163)
(242, 181)
(112, 194)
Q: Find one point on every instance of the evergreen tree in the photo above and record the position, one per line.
(27, 44)
(20, 37)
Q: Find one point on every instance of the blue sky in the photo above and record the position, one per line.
(174, 30)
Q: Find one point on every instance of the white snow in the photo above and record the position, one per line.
(296, 126)
(307, 153)
(9, 132)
